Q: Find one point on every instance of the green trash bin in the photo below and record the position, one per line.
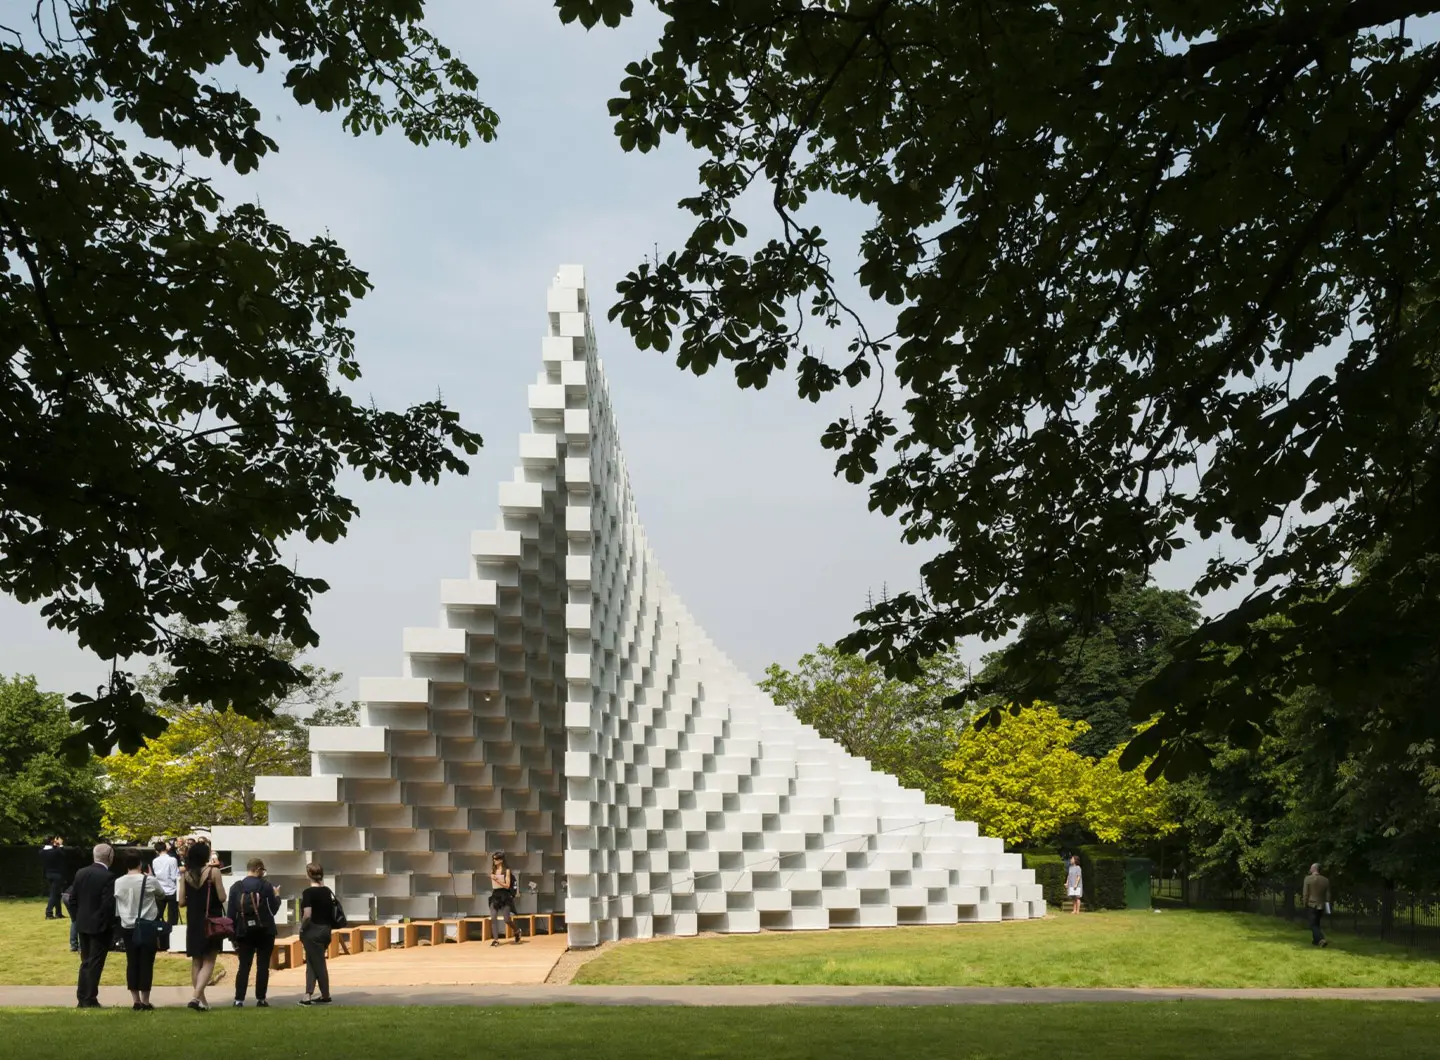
(1137, 883)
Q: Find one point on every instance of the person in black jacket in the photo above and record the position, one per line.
(52, 863)
(254, 901)
(94, 896)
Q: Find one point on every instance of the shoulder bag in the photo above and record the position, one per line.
(216, 927)
(148, 933)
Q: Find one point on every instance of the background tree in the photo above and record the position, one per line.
(1094, 668)
(902, 728)
(41, 792)
(201, 770)
(1025, 782)
(1162, 272)
(171, 389)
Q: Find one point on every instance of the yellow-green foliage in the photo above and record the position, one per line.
(1021, 781)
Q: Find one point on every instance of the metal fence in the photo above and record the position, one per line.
(1391, 915)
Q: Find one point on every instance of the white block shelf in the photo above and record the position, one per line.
(570, 711)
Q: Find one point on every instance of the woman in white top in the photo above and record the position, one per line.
(137, 897)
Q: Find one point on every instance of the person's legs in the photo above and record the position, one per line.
(316, 942)
(246, 953)
(132, 969)
(1317, 936)
(52, 905)
(147, 973)
(207, 966)
(170, 909)
(263, 949)
(93, 950)
(74, 937)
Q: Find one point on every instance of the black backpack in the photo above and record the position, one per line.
(251, 921)
(337, 911)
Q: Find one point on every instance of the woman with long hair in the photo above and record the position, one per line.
(317, 921)
(502, 899)
(202, 893)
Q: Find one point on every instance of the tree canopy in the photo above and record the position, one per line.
(1160, 272)
(1024, 782)
(1094, 668)
(173, 401)
(42, 794)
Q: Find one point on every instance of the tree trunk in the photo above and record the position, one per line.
(1387, 909)
(247, 800)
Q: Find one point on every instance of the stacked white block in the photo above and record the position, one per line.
(570, 711)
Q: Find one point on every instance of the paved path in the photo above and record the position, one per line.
(715, 995)
(467, 965)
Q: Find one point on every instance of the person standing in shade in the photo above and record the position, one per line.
(137, 897)
(502, 899)
(1074, 883)
(254, 901)
(317, 921)
(1316, 895)
(202, 893)
(167, 871)
(52, 863)
(94, 895)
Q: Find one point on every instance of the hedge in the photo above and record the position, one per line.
(1102, 873)
(21, 875)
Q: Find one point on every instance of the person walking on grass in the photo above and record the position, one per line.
(317, 922)
(1316, 895)
(502, 899)
(202, 893)
(254, 901)
(93, 893)
(1074, 884)
(138, 898)
(52, 863)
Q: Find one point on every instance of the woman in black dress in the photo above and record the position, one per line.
(502, 899)
(202, 893)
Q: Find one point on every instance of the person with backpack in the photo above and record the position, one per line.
(502, 899)
(320, 914)
(139, 899)
(254, 901)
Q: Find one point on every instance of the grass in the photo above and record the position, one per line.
(1172, 948)
(1295, 1030)
(36, 952)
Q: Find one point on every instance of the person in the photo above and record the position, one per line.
(138, 897)
(317, 921)
(93, 893)
(202, 893)
(52, 863)
(502, 899)
(167, 871)
(1316, 895)
(1074, 884)
(254, 901)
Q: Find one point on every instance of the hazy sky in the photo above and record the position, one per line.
(769, 550)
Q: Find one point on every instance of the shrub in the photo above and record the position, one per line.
(1050, 874)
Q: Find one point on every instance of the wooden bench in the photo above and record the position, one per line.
(357, 936)
(430, 931)
(288, 953)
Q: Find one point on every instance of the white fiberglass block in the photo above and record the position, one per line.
(467, 592)
(495, 544)
(253, 837)
(346, 739)
(424, 641)
(401, 690)
(297, 789)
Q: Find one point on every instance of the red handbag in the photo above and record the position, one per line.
(216, 927)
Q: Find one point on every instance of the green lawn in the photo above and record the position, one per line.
(1171, 948)
(36, 952)
(1294, 1030)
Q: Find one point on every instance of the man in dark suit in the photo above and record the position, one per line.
(94, 896)
(52, 863)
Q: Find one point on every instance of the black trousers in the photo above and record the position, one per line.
(93, 950)
(57, 884)
(170, 909)
(1316, 935)
(249, 951)
(139, 965)
(315, 938)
